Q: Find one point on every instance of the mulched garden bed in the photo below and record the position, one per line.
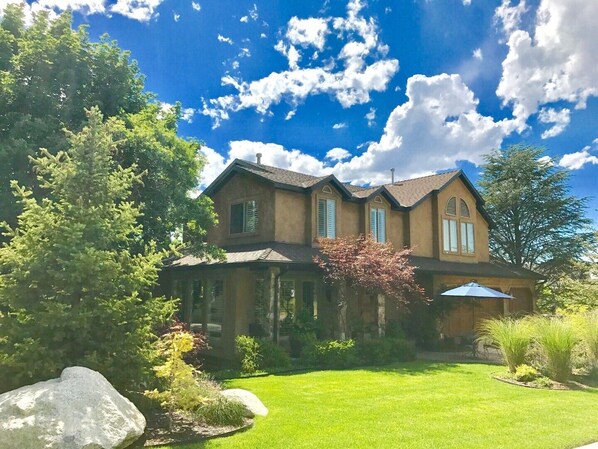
(571, 385)
(183, 430)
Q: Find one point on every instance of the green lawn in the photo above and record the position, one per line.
(413, 405)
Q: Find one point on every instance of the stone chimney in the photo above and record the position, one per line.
(258, 156)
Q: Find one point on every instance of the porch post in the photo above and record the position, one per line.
(272, 318)
(381, 320)
(187, 300)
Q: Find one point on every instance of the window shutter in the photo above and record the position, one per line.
(381, 225)
(250, 216)
(373, 224)
(321, 218)
(331, 219)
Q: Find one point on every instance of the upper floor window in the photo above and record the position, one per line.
(378, 224)
(464, 209)
(243, 217)
(327, 218)
(458, 234)
(451, 206)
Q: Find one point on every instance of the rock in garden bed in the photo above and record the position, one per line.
(545, 384)
(78, 410)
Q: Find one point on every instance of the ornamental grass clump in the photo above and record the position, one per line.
(556, 339)
(513, 337)
(586, 327)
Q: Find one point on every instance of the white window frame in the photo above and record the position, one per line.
(450, 236)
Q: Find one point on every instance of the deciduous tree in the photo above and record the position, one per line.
(376, 268)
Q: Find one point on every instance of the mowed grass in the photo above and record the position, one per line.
(412, 405)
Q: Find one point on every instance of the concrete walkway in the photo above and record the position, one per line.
(589, 446)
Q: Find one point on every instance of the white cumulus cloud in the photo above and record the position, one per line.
(560, 119)
(576, 161)
(554, 61)
(226, 40)
(196, 6)
(141, 10)
(337, 154)
(339, 125)
(364, 69)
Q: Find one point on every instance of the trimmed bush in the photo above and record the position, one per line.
(402, 350)
(374, 352)
(556, 338)
(332, 354)
(526, 373)
(248, 352)
(272, 356)
(513, 337)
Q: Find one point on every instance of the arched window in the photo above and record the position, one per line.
(326, 189)
(451, 206)
(464, 209)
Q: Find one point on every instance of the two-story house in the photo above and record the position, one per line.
(269, 223)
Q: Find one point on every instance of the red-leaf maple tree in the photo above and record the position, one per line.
(360, 262)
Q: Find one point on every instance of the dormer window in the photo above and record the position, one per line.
(378, 224)
(243, 217)
(458, 234)
(327, 218)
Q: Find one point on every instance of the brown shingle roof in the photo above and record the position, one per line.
(410, 191)
(280, 175)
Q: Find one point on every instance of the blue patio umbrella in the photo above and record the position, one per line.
(474, 291)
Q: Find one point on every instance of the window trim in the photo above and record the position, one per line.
(460, 220)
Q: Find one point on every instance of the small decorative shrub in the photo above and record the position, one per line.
(402, 350)
(220, 411)
(556, 338)
(526, 373)
(332, 354)
(272, 356)
(374, 352)
(513, 337)
(393, 329)
(542, 382)
(248, 351)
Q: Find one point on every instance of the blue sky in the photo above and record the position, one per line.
(358, 87)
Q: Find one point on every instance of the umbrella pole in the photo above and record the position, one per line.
(473, 345)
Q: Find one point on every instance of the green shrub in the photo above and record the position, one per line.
(513, 337)
(393, 329)
(542, 382)
(374, 352)
(526, 373)
(332, 354)
(272, 356)
(556, 338)
(220, 411)
(402, 350)
(248, 352)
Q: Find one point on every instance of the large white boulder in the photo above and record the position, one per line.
(251, 402)
(79, 410)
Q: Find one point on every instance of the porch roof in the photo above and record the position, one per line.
(288, 253)
(273, 252)
(493, 268)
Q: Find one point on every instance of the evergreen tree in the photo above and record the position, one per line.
(71, 290)
(539, 225)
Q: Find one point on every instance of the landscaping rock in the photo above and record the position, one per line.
(79, 410)
(251, 402)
